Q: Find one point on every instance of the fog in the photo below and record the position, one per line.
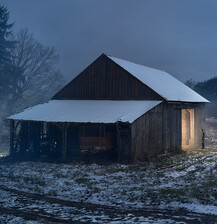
(175, 36)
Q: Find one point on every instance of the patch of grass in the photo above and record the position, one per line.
(166, 194)
(37, 189)
(172, 192)
(214, 195)
(76, 175)
(34, 180)
(115, 169)
(52, 192)
(94, 189)
(82, 180)
(11, 176)
(67, 183)
(59, 174)
(160, 174)
(170, 161)
(27, 179)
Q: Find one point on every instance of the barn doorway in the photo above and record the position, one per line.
(187, 129)
(98, 142)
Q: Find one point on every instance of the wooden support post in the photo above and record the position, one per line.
(123, 142)
(64, 141)
(162, 128)
(24, 137)
(118, 141)
(11, 138)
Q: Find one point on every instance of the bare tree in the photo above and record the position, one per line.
(35, 77)
(32, 77)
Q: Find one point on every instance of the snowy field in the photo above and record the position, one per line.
(173, 189)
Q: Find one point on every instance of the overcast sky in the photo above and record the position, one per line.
(177, 36)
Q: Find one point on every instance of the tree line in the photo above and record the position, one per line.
(207, 89)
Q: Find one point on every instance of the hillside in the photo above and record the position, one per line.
(207, 89)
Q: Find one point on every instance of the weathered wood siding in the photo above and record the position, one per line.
(198, 125)
(159, 130)
(172, 128)
(146, 134)
(104, 80)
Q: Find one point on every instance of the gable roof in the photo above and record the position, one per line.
(86, 111)
(170, 88)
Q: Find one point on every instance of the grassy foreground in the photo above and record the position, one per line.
(186, 180)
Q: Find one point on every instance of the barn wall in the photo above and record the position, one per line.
(199, 124)
(146, 135)
(104, 79)
(159, 130)
(172, 128)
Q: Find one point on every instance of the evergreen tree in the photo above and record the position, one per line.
(6, 45)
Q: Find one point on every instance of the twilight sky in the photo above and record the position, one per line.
(177, 36)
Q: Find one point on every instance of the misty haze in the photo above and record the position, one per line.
(108, 111)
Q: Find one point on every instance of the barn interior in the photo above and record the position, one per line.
(63, 140)
(188, 129)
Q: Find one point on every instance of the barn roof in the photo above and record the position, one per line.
(86, 111)
(170, 88)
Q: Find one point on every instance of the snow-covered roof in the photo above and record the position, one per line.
(170, 88)
(86, 111)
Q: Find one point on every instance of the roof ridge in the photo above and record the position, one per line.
(164, 84)
(110, 56)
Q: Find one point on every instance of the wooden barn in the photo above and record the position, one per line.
(129, 110)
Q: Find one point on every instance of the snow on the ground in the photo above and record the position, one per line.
(187, 180)
(11, 219)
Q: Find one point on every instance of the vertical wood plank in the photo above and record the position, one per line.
(11, 138)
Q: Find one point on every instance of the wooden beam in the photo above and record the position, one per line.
(59, 125)
(11, 137)
(16, 125)
(117, 140)
(64, 141)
